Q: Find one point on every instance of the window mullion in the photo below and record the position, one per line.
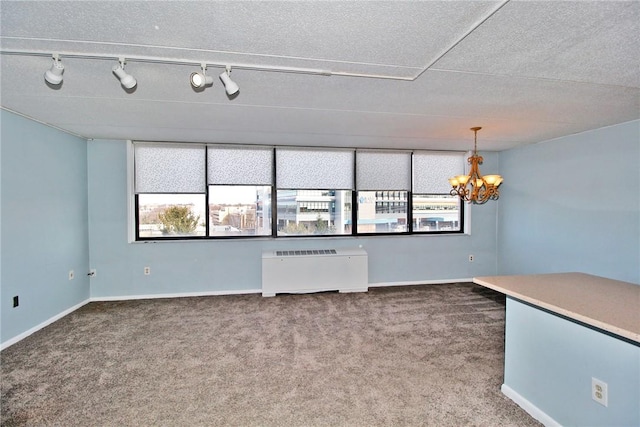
(206, 195)
(274, 196)
(137, 216)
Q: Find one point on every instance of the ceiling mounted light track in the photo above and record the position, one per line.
(54, 74)
(200, 80)
(126, 80)
(229, 85)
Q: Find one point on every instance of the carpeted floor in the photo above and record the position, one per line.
(405, 356)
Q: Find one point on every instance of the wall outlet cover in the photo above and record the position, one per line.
(599, 391)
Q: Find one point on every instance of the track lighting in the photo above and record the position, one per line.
(200, 80)
(54, 74)
(230, 86)
(126, 80)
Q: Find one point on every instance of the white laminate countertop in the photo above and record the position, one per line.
(607, 304)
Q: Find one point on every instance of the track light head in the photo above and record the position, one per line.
(54, 74)
(230, 86)
(200, 80)
(126, 80)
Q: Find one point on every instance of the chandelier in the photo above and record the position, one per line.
(475, 188)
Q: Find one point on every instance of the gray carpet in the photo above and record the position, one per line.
(405, 356)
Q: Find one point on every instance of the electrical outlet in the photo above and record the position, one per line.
(71, 275)
(16, 301)
(147, 271)
(471, 257)
(599, 391)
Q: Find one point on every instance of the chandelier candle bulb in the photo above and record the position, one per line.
(480, 189)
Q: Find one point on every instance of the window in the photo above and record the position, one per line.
(170, 191)
(239, 210)
(198, 191)
(171, 215)
(377, 215)
(436, 212)
(314, 191)
(314, 212)
(239, 191)
(434, 209)
(383, 179)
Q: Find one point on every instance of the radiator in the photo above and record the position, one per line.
(318, 270)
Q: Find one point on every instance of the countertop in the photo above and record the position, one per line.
(610, 305)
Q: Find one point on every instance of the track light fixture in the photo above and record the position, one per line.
(200, 80)
(230, 86)
(54, 74)
(126, 80)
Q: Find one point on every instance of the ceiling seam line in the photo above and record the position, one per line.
(516, 76)
(314, 109)
(296, 108)
(464, 36)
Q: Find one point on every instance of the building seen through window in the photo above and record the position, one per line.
(382, 211)
(436, 213)
(314, 212)
(239, 210)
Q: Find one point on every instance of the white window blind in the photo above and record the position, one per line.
(239, 165)
(300, 168)
(431, 170)
(169, 168)
(383, 170)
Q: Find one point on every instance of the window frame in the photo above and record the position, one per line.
(134, 204)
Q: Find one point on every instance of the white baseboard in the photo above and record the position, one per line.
(352, 290)
(176, 295)
(36, 328)
(419, 282)
(529, 407)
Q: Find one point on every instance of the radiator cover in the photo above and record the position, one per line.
(303, 271)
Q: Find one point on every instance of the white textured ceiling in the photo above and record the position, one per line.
(526, 71)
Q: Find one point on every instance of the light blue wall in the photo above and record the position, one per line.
(235, 265)
(44, 223)
(573, 204)
(550, 361)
